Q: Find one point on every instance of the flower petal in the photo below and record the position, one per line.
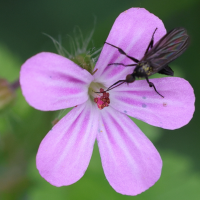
(130, 161)
(132, 31)
(65, 152)
(51, 82)
(142, 102)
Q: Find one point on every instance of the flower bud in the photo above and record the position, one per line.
(7, 94)
(85, 61)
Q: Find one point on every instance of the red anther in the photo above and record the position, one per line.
(104, 94)
(101, 90)
(104, 99)
(103, 105)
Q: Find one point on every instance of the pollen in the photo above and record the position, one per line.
(164, 104)
(102, 100)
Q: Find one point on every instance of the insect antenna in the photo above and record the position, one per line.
(118, 83)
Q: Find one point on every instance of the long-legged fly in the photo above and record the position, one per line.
(156, 57)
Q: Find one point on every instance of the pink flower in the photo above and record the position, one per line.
(130, 161)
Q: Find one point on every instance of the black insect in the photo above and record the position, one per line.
(156, 57)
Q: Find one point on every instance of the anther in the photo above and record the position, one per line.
(95, 100)
(101, 90)
(102, 101)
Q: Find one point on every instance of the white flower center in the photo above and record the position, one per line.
(98, 95)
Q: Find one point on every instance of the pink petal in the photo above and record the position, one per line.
(142, 102)
(65, 152)
(130, 161)
(132, 31)
(51, 82)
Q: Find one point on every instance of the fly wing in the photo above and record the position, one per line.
(167, 71)
(167, 49)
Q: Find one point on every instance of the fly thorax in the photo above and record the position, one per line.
(143, 68)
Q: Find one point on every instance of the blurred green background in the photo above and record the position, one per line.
(22, 24)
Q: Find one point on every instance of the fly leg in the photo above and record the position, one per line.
(123, 64)
(122, 52)
(152, 85)
(150, 43)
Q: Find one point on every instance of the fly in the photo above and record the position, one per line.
(156, 57)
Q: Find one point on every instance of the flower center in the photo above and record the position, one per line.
(102, 101)
(99, 96)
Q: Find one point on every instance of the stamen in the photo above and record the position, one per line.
(102, 101)
(95, 100)
(101, 90)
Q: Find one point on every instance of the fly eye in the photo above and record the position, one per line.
(130, 78)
